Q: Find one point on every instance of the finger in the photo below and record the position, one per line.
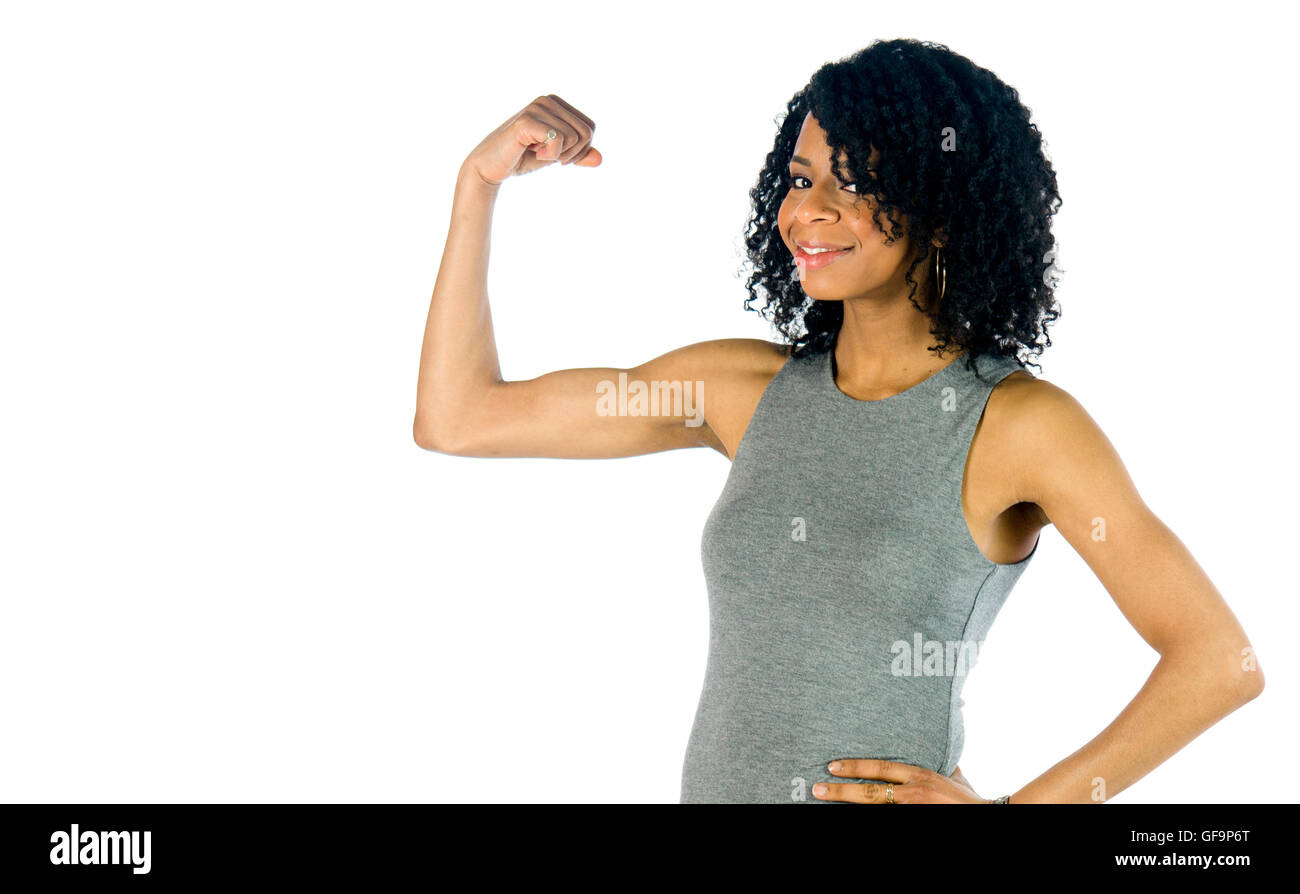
(851, 792)
(542, 118)
(564, 135)
(540, 122)
(533, 126)
(577, 123)
(585, 120)
(874, 768)
(585, 154)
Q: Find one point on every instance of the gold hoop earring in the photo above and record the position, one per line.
(941, 276)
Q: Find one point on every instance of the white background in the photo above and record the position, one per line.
(227, 573)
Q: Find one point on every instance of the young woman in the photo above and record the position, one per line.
(893, 461)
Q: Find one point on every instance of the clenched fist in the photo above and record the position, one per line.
(521, 144)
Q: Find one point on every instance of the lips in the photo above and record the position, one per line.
(813, 244)
(816, 258)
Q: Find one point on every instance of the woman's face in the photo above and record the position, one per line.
(820, 209)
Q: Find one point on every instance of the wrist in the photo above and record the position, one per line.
(470, 177)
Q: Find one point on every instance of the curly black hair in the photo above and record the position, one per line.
(988, 199)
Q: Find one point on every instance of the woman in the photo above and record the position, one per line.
(893, 461)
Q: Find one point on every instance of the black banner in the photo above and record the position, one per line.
(143, 845)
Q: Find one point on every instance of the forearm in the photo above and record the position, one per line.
(1183, 697)
(458, 359)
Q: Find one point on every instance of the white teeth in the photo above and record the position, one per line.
(817, 251)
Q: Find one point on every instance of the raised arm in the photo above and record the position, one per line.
(464, 407)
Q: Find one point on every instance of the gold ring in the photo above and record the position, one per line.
(889, 794)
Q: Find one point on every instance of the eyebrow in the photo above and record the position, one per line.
(800, 160)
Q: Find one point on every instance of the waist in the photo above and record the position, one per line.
(747, 773)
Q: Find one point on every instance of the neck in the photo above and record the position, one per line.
(882, 348)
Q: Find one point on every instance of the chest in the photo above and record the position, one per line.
(1002, 527)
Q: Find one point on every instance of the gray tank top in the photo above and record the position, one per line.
(847, 598)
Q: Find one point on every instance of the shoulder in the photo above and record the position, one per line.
(723, 360)
(1044, 435)
(732, 374)
(1030, 406)
(745, 355)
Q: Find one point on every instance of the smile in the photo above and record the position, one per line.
(816, 258)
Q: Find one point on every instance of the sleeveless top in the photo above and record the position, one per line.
(847, 598)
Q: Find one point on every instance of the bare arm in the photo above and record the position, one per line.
(1207, 668)
(462, 404)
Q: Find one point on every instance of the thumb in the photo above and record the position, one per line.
(591, 159)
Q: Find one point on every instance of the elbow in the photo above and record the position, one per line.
(1245, 685)
(454, 428)
(435, 439)
(1226, 675)
(1248, 679)
(1252, 685)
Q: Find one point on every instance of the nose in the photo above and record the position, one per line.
(813, 206)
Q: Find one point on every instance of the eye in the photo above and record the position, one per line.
(796, 177)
